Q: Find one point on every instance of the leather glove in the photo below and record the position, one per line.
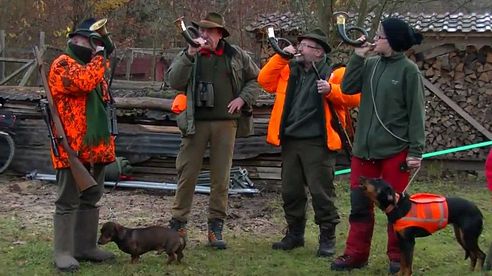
(413, 162)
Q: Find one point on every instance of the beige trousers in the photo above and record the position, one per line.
(221, 136)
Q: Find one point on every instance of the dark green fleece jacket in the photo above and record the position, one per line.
(396, 97)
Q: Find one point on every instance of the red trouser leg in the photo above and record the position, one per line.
(361, 218)
(362, 211)
(398, 179)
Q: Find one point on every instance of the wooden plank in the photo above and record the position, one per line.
(457, 108)
(17, 72)
(14, 90)
(438, 51)
(42, 41)
(27, 75)
(140, 128)
(42, 48)
(129, 61)
(2, 54)
(144, 103)
(127, 84)
(15, 60)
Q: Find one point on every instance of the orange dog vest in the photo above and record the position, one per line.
(428, 211)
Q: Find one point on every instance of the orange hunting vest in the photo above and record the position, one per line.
(428, 211)
(274, 77)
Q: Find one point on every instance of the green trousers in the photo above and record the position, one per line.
(221, 136)
(307, 164)
(69, 198)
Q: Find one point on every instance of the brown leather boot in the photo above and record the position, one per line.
(215, 227)
(178, 226)
(63, 242)
(85, 246)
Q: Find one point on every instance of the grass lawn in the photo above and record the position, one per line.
(25, 248)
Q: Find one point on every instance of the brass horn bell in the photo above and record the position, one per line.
(101, 34)
(343, 30)
(100, 26)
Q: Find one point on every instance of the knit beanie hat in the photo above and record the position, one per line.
(400, 35)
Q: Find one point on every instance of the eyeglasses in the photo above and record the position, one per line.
(302, 45)
(378, 36)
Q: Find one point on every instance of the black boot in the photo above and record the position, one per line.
(326, 240)
(85, 242)
(178, 226)
(215, 239)
(293, 238)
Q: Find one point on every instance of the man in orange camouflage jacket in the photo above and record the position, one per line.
(80, 94)
(301, 122)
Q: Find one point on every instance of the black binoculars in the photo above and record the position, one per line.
(205, 97)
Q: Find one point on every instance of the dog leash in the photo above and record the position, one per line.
(411, 179)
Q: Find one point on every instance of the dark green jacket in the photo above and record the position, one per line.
(398, 93)
(181, 76)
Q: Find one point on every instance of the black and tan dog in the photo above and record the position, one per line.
(420, 215)
(137, 241)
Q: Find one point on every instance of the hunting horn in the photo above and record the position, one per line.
(343, 30)
(274, 43)
(187, 32)
(99, 27)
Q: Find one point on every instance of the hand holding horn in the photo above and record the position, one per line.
(101, 34)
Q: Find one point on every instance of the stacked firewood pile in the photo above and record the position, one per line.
(465, 76)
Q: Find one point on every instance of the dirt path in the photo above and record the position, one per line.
(31, 202)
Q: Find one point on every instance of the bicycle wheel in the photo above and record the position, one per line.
(7, 150)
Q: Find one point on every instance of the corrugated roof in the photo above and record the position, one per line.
(433, 22)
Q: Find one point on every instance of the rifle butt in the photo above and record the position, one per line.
(83, 179)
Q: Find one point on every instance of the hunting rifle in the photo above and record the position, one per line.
(337, 125)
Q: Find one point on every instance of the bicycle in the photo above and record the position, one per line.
(7, 120)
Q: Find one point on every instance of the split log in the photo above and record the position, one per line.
(144, 103)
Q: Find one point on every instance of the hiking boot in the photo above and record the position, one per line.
(215, 239)
(178, 226)
(394, 267)
(293, 238)
(326, 240)
(346, 262)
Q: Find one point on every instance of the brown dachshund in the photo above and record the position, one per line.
(141, 240)
(421, 215)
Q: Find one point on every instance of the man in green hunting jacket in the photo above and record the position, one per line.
(219, 80)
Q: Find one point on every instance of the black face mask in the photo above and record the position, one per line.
(83, 53)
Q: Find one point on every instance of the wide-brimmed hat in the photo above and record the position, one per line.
(319, 36)
(212, 20)
(83, 28)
